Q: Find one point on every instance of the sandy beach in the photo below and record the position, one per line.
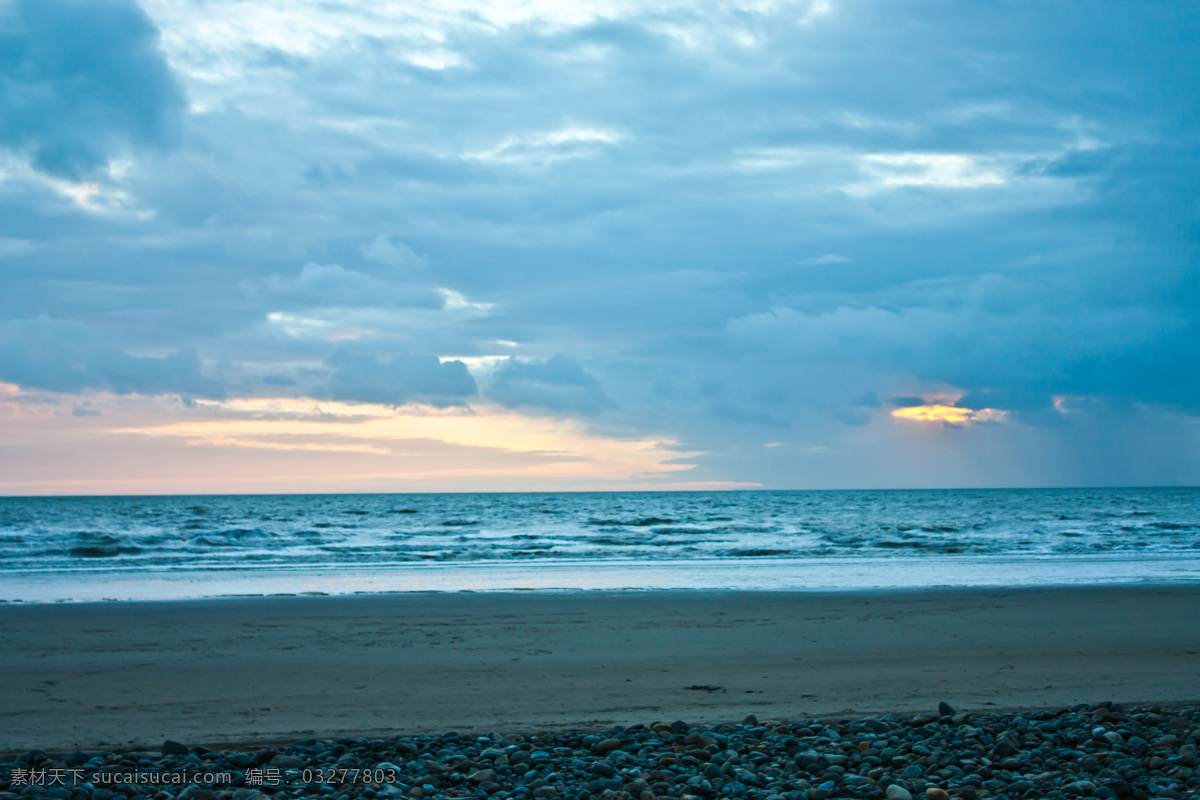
(275, 669)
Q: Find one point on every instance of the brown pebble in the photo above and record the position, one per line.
(608, 745)
(936, 793)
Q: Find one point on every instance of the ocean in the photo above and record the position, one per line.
(160, 548)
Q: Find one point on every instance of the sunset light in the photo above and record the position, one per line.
(950, 415)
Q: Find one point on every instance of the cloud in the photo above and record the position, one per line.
(1009, 343)
(398, 380)
(949, 415)
(828, 258)
(949, 170)
(12, 248)
(739, 414)
(65, 356)
(559, 384)
(663, 193)
(334, 286)
(868, 400)
(548, 147)
(395, 254)
(81, 82)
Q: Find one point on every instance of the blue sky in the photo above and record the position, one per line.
(485, 245)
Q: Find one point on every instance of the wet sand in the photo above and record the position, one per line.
(276, 669)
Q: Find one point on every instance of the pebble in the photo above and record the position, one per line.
(1101, 752)
(608, 745)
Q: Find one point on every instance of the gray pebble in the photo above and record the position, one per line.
(1101, 752)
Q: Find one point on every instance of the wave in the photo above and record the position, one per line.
(147, 533)
(103, 551)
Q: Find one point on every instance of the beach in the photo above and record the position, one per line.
(254, 670)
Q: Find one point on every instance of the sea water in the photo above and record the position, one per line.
(91, 548)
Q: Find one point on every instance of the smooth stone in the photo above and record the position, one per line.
(249, 794)
(173, 748)
(484, 775)
(936, 793)
(196, 792)
(898, 792)
(388, 765)
(944, 709)
(607, 746)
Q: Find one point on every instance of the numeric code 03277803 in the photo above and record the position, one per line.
(334, 775)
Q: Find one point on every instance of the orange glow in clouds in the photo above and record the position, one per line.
(106, 444)
(950, 415)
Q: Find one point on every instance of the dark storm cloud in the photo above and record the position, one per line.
(63, 356)
(559, 384)
(81, 81)
(400, 379)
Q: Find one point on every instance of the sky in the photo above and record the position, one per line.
(501, 245)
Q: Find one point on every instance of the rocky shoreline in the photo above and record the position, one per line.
(1103, 751)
